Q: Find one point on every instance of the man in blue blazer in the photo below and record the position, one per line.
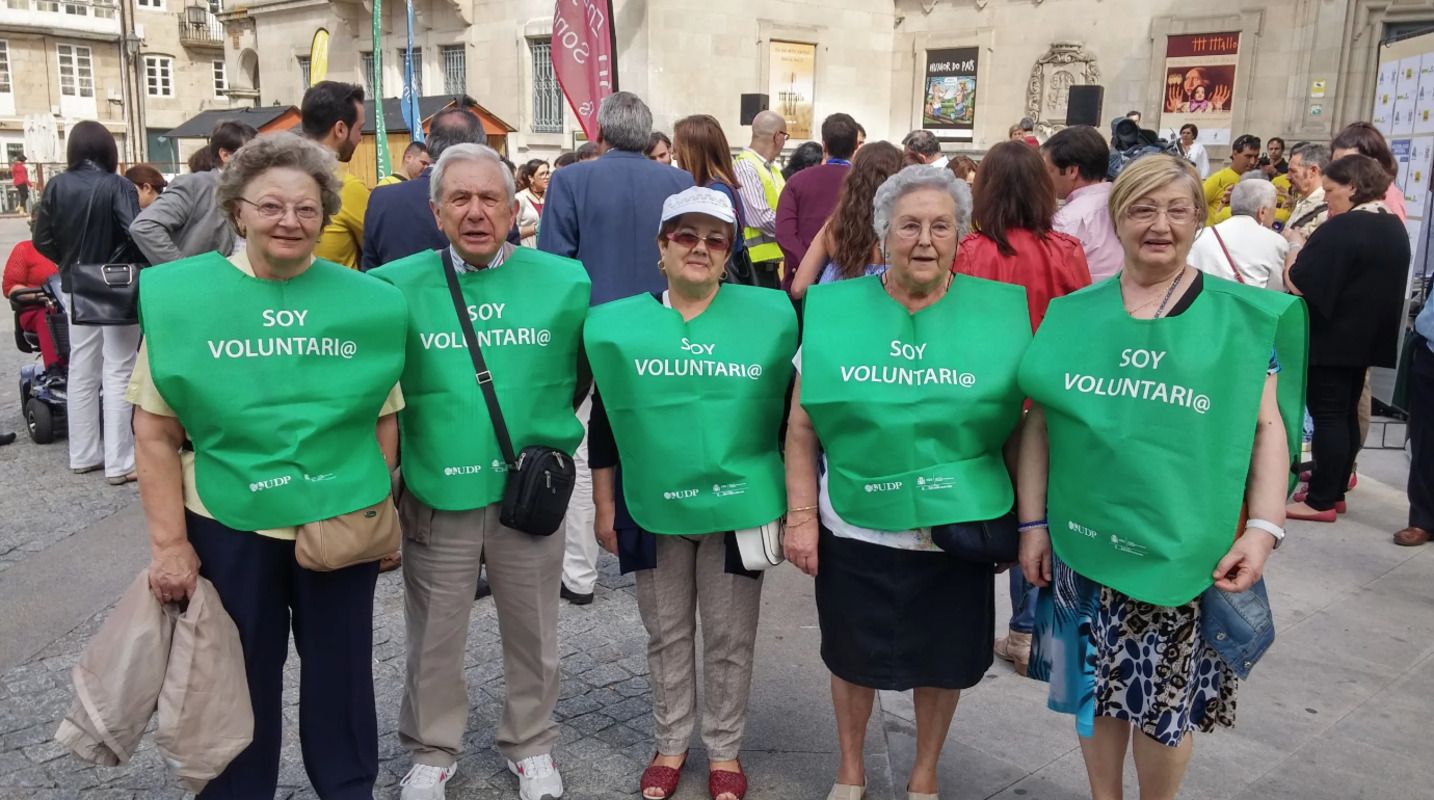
(605, 212)
(398, 221)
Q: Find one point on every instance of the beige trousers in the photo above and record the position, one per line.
(690, 579)
(441, 552)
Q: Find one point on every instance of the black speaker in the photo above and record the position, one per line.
(1083, 105)
(752, 105)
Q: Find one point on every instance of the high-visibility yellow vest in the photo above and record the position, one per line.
(761, 246)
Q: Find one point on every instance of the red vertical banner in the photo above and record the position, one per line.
(584, 52)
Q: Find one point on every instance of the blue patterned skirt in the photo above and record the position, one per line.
(1107, 655)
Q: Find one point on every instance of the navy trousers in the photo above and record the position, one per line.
(265, 591)
(1421, 435)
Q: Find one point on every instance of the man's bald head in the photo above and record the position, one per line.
(769, 134)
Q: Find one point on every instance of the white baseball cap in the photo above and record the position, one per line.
(697, 200)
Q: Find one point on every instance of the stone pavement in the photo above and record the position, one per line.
(1341, 707)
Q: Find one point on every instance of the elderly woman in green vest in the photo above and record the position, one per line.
(908, 389)
(692, 385)
(265, 395)
(1152, 475)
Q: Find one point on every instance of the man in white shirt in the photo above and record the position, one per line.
(1244, 248)
(1307, 165)
(922, 147)
(1077, 158)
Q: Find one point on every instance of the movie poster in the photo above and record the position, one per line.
(791, 84)
(1200, 84)
(948, 106)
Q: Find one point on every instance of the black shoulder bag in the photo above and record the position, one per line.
(540, 478)
(108, 293)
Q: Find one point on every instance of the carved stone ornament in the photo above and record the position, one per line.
(1065, 65)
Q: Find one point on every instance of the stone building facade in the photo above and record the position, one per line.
(1303, 67)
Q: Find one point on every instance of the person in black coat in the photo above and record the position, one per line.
(1352, 272)
(84, 218)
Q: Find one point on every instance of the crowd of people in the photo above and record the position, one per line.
(722, 344)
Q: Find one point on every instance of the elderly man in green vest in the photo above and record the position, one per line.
(762, 182)
(526, 309)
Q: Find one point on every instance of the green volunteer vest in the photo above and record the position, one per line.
(761, 246)
(913, 409)
(278, 384)
(528, 316)
(1152, 424)
(696, 407)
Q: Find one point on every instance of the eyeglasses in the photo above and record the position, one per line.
(785, 136)
(717, 244)
(1178, 215)
(940, 229)
(272, 209)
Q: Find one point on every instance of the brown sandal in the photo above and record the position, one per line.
(663, 779)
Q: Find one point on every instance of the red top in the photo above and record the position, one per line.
(1048, 267)
(19, 175)
(26, 267)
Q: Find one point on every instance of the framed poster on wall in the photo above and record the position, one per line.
(948, 104)
(1200, 83)
(791, 84)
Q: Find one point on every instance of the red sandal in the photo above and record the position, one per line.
(663, 779)
(720, 782)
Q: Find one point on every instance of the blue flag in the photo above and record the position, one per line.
(410, 97)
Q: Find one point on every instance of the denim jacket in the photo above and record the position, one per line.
(1238, 625)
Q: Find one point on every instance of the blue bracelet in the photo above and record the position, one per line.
(1030, 526)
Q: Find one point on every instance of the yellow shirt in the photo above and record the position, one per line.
(1215, 187)
(143, 393)
(389, 181)
(342, 239)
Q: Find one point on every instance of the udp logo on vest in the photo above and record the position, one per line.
(521, 335)
(297, 344)
(1150, 389)
(698, 360)
(908, 371)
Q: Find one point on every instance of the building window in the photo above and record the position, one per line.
(547, 95)
(455, 70)
(77, 70)
(304, 70)
(366, 67)
(417, 69)
(159, 4)
(159, 76)
(216, 6)
(5, 67)
(221, 79)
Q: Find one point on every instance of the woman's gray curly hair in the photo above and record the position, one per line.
(275, 150)
(915, 178)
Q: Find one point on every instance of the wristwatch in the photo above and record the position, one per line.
(1268, 527)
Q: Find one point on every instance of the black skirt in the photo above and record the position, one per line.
(898, 619)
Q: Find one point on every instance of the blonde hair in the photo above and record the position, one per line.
(1151, 174)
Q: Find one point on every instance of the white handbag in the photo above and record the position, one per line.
(761, 547)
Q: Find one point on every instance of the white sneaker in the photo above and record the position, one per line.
(425, 782)
(538, 779)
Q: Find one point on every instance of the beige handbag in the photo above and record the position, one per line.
(357, 537)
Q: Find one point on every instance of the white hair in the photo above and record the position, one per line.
(467, 153)
(915, 178)
(1249, 196)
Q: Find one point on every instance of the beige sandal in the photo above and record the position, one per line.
(845, 791)
(910, 795)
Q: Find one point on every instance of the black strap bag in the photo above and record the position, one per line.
(107, 293)
(993, 541)
(540, 478)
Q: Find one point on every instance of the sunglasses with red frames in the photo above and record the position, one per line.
(718, 244)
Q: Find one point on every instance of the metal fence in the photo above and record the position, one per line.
(547, 95)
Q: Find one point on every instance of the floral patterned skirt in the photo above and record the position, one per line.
(1107, 655)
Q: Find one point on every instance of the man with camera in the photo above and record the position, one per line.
(511, 318)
